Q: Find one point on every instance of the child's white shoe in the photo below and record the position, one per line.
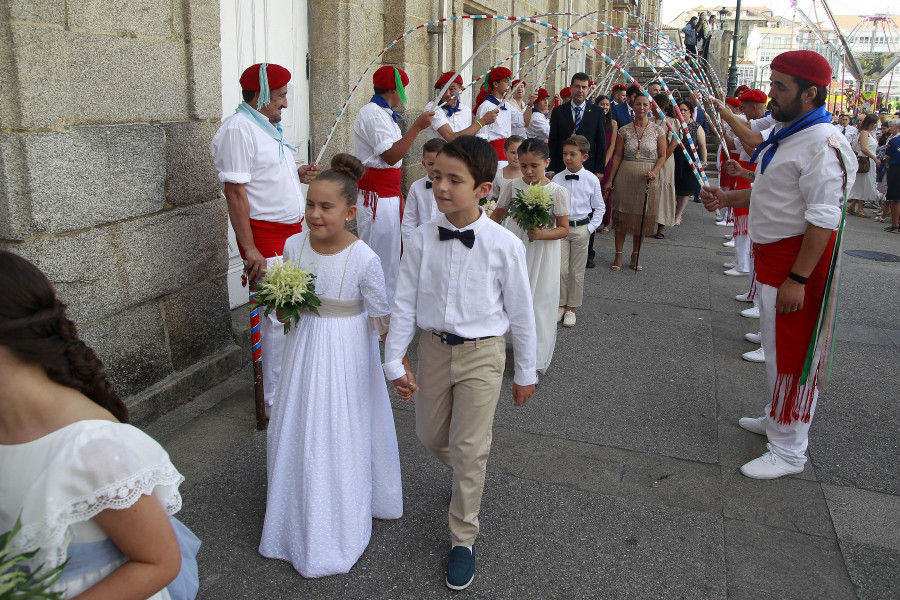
(569, 319)
(560, 313)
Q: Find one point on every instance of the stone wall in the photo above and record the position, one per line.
(106, 114)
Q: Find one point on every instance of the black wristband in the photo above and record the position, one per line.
(798, 278)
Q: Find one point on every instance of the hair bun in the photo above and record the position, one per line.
(348, 165)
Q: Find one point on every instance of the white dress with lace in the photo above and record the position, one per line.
(61, 481)
(332, 455)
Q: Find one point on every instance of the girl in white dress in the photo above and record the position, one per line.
(511, 171)
(71, 465)
(332, 455)
(542, 247)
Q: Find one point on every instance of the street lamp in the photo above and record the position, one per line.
(732, 70)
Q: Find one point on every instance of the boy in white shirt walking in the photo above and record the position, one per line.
(463, 282)
(586, 209)
(420, 205)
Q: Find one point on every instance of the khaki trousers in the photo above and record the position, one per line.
(458, 391)
(572, 264)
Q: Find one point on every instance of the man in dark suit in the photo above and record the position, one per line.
(622, 113)
(584, 118)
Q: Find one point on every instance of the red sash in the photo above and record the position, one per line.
(380, 183)
(725, 180)
(793, 331)
(498, 146)
(269, 237)
(742, 215)
(739, 182)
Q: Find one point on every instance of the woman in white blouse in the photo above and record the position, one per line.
(865, 146)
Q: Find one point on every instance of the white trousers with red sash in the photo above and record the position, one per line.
(788, 442)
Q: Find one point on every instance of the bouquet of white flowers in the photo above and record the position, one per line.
(532, 208)
(288, 289)
(488, 206)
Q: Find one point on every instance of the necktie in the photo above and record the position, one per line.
(577, 117)
(568, 177)
(428, 185)
(467, 237)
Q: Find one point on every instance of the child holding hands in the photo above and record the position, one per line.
(542, 246)
(463, 282)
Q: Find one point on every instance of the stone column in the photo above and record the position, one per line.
(107, 185)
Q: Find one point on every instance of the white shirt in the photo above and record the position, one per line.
(244, 153)
(849, 132)
(585, 196)
(539, 126)
(499, 129)
(583, 106)
(517, 121)
(459, 121)
(803, 185)
(375, 132)
(421, 207)
(473, 292)
(762, 124)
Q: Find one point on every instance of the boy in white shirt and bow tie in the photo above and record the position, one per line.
(463, 282)
(420, 207)
(586, 209)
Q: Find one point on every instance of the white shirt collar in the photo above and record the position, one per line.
(475, 226)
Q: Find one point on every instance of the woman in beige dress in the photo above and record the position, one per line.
(633, 182)
(666, 215)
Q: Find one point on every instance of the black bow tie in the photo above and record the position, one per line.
(467, 237)
(568, 177)
(428, 185)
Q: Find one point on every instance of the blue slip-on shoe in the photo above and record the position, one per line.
(460, 568)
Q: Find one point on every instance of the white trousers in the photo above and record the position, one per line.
(788, 442)
(382, 234)
(742, 253)
(272, 340)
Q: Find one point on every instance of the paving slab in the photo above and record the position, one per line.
(874, 570)
(865, 517)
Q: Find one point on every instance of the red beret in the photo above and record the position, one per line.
(384, 78)
(278, 77)
(565, 92)
(542, 93)
(618, 86)
(515, 82)
(804, 64)
(443, 79)
(754, 96)
(733, 102)
(499, 73)
(740, 90)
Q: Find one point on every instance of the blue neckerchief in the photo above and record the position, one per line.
(490, 98)
(380, 101)
(451, 110)
(261, 121)
(813, 117)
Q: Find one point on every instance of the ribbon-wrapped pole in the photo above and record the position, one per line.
(256, 349)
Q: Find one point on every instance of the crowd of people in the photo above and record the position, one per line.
(447, 259)
(698, 33)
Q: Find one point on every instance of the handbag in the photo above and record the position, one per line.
(864, 164)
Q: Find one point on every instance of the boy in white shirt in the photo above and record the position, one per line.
(586, 209)
(420, 206)
(463, 282)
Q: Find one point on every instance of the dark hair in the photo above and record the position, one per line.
(687, 101)
(34, 326)
(513, 139)
(654, 82)
(580, 77)
(378, 91)
(584, 146)
(345, 171)
(633, 90)
(821, 91)
(535, 146)
(476, 153)
(608, 114)
(665, 105)
(248, 94)
(868, 122)
(433, 145)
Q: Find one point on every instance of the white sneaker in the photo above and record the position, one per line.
(757, 356)
(729, 265)
(769, 466)
(728, 236)
(724, 223)
(560, 313)
(729, 244)
(736, 273)
(755, 338)
(569, 319)
(751, 313)
(753, 424)
(744, 297)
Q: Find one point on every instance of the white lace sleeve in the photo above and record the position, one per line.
(506, 193)
(560, 201)
(374, 295)
(106, 465)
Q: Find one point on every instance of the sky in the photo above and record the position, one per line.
(672, 8)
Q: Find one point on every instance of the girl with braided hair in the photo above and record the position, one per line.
(89, 488)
